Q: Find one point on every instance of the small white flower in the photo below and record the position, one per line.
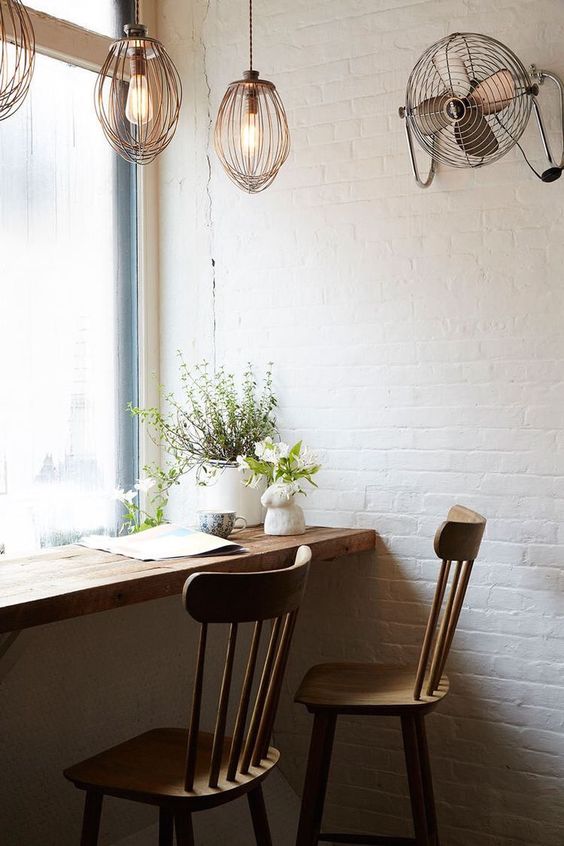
(271, 455)
(129, 496)
(144, 485)
(283, 450)
(242, 463)
(307, 458)
(118, 494)
(269, 451)
(263, 446)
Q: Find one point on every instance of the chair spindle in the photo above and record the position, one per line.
(466, 573)
(241, 718)
(260, 698)
(443, 630)
(219, 734)
(276, 699)
(274, 688)
(192, 750)
(431, 627)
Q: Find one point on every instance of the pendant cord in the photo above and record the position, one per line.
(250, 34)
(136, 11)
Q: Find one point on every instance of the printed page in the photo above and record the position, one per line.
(166, 541)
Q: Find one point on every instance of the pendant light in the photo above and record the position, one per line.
(17, 56)
(251, 136)
(138, 95)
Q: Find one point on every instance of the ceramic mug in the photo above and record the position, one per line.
(220, 523)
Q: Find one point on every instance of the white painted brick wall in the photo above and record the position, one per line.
(418, 343)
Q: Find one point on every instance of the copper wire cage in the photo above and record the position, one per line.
(468, 100)
(138, 96)
(17, 56)
(251, 137)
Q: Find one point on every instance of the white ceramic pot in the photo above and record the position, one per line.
(225, 491)
(284, 516)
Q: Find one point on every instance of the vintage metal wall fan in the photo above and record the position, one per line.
(468, 101)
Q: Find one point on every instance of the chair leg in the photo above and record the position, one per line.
(317, 774)
(415, 779)
(259, 817)
(91, 818)
(184, 830)
(425, 765)
(166, 827)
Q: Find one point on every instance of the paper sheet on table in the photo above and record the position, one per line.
(166, 541)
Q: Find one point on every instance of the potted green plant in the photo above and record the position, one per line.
(204, 427)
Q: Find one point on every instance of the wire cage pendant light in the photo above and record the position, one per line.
(138, 95)
(251, 138)
(17, 56)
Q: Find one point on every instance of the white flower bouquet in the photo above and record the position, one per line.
(278, 463)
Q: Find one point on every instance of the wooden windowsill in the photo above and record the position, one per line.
(73, 581)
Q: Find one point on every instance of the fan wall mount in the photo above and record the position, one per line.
(468, 101)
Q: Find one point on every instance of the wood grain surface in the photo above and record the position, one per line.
(73, 581)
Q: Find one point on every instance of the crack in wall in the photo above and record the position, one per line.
(209, 214)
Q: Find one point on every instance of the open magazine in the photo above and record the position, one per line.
(166, 541)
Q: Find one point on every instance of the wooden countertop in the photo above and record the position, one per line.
(72, 581)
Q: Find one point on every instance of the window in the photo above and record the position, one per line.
(67, 315)
(105, 16)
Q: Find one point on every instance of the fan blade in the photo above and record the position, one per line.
(452, 72)
(430, 115)
(474, 134)
(495, 92)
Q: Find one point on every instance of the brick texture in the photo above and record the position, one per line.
(418, 345)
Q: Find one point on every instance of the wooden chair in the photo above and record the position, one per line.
(185, 771)
(408, 693)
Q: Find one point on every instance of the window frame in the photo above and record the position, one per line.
(76, 45)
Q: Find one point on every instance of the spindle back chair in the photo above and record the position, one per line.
(247, 598)
(457, 543)
(185, 771)
(329, 690)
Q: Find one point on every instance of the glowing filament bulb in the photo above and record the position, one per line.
(139, 107)
(250, 134)
(250, 129)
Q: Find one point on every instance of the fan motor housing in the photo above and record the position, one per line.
(455, 108)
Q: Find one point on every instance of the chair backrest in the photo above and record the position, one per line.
(457, 543)
(237, 598)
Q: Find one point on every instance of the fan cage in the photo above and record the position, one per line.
(17, 59)
(253, 167)
(482, 57)
(139, 142)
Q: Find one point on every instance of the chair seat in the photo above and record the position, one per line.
(365, 688)
(150, 768)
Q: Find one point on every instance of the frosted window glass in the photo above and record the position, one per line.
(65, 433)
(105, 16)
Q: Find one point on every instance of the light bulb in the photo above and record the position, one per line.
(250, 134)
(139, 107)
